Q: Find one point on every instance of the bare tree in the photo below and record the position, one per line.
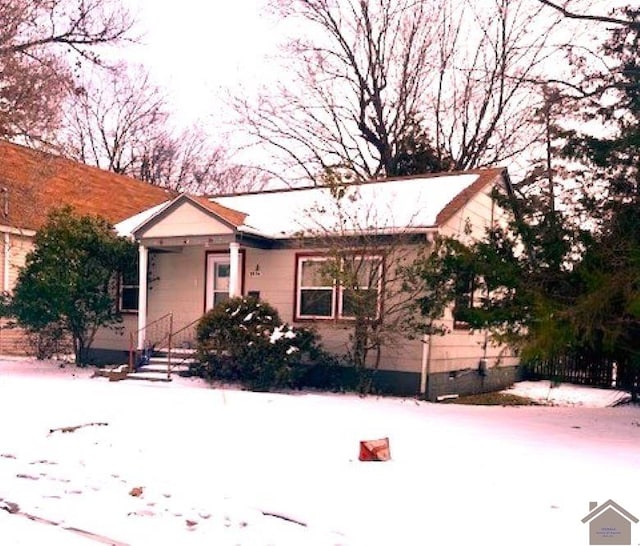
(111, 118)
(353, 90)
(190, 162)
(491, 58)
(41, 43)
(363, 254)
(591, 17)
(371, 77)
(120, 121)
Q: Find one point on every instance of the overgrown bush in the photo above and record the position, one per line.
(328, 372)
(245, 340)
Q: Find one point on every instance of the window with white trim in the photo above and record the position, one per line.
(353, 289)
(315, 290)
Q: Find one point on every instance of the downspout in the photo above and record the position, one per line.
(426, 365)
(425, 369)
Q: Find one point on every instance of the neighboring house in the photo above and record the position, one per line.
(609, 523)
(197, 251)
(32, 184)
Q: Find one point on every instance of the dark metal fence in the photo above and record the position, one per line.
(587, 369)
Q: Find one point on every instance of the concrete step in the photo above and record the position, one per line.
(149, 376)
(178, 352)
(158, 359)
(162, 367)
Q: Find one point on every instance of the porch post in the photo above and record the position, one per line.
(234, 273)
(142, 294)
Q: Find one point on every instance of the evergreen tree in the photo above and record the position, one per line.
(70, 279)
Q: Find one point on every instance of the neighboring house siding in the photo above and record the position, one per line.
(19, 247)
(13, 251)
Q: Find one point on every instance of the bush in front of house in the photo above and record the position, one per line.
(245, 340)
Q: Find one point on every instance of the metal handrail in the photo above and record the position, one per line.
(133, 337)
(171, 342)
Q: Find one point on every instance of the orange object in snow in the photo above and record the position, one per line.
(375, 450)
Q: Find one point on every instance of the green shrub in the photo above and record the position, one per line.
(329, 373)
(244, 340)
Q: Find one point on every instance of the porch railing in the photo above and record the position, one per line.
(182, 338)
(155, 333)
(160, 334)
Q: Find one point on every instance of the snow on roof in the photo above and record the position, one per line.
(381, 206)
(129, 225)
(385, 206)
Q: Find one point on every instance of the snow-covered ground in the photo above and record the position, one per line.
(182, 463)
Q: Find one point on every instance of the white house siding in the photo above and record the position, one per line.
(186, 219)
(276, 284)
(272, 273)
(117, 339)
(177, 285)
(456, 357)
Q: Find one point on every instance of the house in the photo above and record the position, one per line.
(32, 184)
(196, 251)
(609, 523)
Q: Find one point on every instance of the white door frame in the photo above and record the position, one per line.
(234, 259)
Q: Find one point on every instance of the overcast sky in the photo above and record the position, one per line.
(198, 49)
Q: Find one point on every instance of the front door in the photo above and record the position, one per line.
(218, 274)
(218, 277)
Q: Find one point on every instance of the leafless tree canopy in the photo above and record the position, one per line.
(371, 76)
(120, 121)
(41, 43)
(111, 116)
(600, 18)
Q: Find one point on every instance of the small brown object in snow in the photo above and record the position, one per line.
(10, 507)
(76, 427)
(375, 450)
(136, 491)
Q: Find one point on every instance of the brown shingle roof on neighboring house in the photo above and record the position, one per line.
(485, 177)
(37, 182)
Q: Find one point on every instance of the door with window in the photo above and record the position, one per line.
(218, 278)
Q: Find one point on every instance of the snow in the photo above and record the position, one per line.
(565, 394)
(129, 225)
(279, 333)
(225, 467)
(404, 204)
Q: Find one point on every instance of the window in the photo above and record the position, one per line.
(465, 289)
(316, 292)
(129, 292)
(355, 292)
(362, 278)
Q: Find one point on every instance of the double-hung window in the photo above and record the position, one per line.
(326, 289)
(316, 290)
(361, 279)
(465, 300)
(129, 292)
